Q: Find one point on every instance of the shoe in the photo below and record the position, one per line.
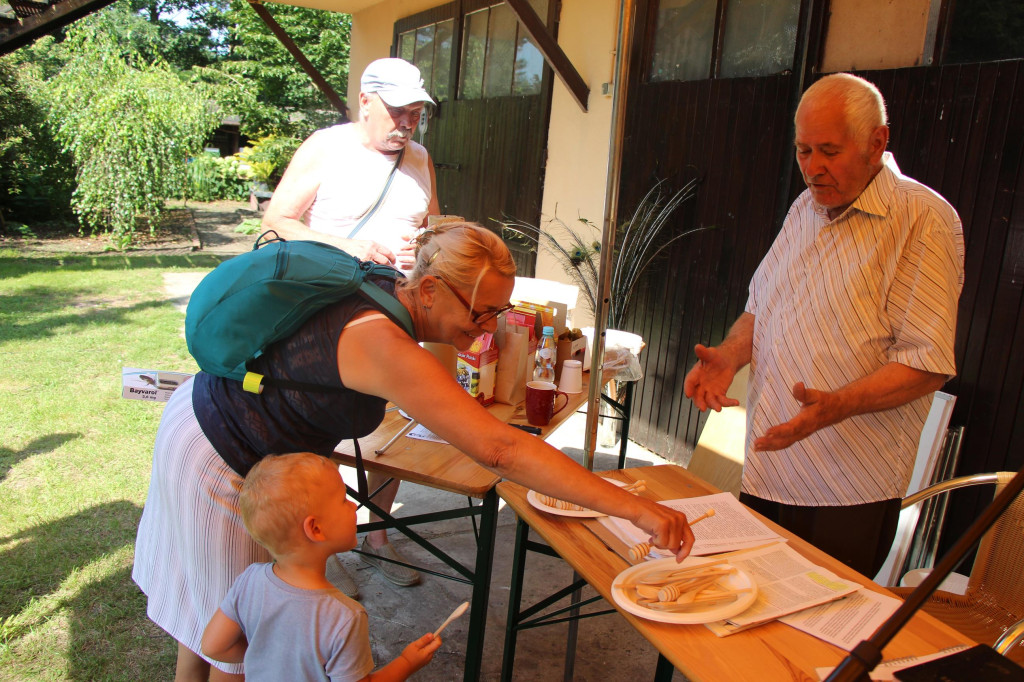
(339, 577)
(399, 575)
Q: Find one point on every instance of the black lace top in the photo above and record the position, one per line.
(244, 427)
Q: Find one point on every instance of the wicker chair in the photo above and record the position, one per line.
(992, 610)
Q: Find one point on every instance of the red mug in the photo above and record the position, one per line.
(540, 402)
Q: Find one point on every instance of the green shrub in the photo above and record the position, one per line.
(268, 157)
(212, 178)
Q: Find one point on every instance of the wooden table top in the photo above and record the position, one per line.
(440, 465)
(773, 651)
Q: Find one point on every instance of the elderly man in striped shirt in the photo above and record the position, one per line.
(848, 330)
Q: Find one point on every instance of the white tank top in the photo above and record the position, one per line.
(352, 179)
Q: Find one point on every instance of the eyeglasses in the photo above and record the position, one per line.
(479, 319)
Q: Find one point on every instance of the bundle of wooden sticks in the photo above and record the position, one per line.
(635, 488)
(683, 589)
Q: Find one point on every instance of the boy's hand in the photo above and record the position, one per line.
(420, 652)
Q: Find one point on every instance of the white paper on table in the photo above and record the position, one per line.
(848, 621)
(786, 583)
(420, 432)
(732, 527)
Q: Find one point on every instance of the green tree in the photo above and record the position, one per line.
(266, 87)
(35, 182)
(192, 32)
(129, 125)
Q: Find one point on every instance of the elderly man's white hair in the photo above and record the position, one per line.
(861, 101)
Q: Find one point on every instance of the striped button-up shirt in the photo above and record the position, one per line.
(834, 301)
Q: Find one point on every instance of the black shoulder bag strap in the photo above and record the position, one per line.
(383, 193)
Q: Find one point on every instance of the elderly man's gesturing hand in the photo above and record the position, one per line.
(818, 409)
(709, 380)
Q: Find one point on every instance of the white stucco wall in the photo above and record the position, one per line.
(577, 171)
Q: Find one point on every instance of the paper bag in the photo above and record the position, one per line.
(513, 353)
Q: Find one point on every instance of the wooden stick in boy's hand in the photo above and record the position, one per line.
(459, 610)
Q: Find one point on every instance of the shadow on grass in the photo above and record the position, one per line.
(66, 309)
(16, 265)
(39, 446)
(39, 559)
(110, 637)
(109, 634)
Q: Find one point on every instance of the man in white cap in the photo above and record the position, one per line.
(365, 187)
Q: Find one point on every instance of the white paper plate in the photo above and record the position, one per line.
(626, 597)
(534, 499)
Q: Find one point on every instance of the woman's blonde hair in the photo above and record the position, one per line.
(460, 253)
(277, 495)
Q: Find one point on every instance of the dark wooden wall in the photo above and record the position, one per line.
(489, 156)
(735, 136)
(958, 129)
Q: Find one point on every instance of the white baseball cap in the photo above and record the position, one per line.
(396, 81)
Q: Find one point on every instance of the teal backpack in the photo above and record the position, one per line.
(265, 295)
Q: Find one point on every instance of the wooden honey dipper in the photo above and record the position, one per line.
(557, 503)
(638, 552)
(636, 487)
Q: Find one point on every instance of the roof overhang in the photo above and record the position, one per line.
(22, 21)
(346, 6)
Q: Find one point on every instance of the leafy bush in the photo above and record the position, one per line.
(249, 226)
(268, 157)
(211, 178)
(130, 127)
(35, 180)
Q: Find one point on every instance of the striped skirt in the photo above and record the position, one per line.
(191, 543)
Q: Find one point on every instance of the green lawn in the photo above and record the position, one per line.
(75, 461)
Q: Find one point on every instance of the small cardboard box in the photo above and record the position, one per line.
(569, 349)
(150, 384)
(476, 372)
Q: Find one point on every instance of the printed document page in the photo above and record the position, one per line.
(733, 526)
(786, 583)
(848, 621)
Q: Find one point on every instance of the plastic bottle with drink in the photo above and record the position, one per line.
(544, 361)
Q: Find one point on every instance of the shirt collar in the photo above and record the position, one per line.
(877, 196)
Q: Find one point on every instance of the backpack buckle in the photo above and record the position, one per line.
(252, 383)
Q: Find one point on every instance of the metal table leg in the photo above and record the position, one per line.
(573, 634)
(664, 671)
(481, 586)
(627, 407)
(515, 597)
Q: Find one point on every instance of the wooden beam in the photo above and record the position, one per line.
(46, 21)
(307, 66)
(552, 51)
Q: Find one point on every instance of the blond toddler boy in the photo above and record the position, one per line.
(283, 619)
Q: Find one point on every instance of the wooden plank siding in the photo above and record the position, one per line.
(957, 128)
(490, 158)
(732, 135)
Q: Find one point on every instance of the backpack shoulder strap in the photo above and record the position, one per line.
(388, 305)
